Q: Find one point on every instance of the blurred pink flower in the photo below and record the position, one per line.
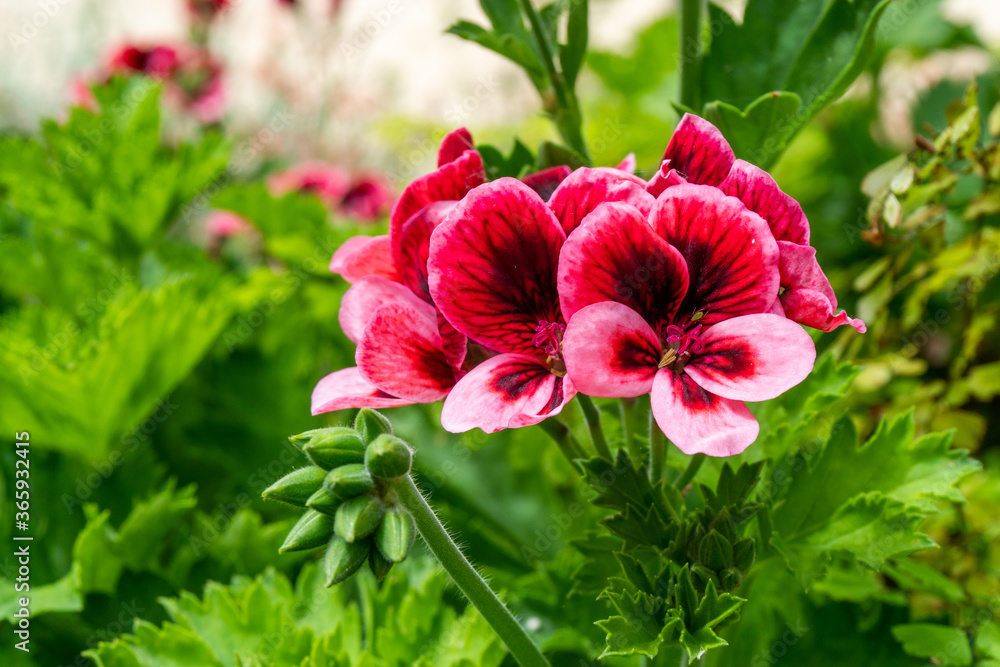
(365, 197)
(224, 224)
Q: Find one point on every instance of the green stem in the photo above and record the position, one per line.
(684, 659)
(467, 579)
(564, 438)
(628, 410)
(593, 416)
(691, 53)
(690, 471)
(657, 450)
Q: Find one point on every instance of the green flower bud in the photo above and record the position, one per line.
(388, 457)
(342, 559)
(358, 518)
(348, 481)
(701, 575)
(715, 552)
(312, 530)
(370, 424)
(395, 534)
(730, 579)
(296, 487)
(333, 447)
(744, 553)
(378, 565)
(323, 501)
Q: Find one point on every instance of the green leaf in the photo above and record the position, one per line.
(761, 132)
(518, 49)
(988, 641)
(636, 630)
(864, 501)
(812, 49)
(915, 576)
(946, 646)
(654, 56)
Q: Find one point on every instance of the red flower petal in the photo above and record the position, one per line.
(401, 354)
(610, 351)
(666, 177)
(364, 256)
(699, 422)
(699, 151)
(368, 294)
(493, 266)
(731, 256)
(808, 298)
(546, 181)
(627, 164)
(411, 246)
(758, 191)
(586, 189)
(450, 182)
(617, 256)
(506, 391)
(753, 357)
(456, 345)
(454, 144)
(346, 389)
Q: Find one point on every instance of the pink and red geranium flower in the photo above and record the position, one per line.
(506, 298)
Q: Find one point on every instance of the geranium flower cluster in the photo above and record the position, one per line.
(192, 77)
(507, 298)
(365, 196)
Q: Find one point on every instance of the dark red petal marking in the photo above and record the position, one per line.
(361, 256)
(400, 353)
(546, 181)
(731, 256)
(411, 246)
(586, 189)
(758, 191)
(610, 351)
(506, 391)
(493, 265)
(698, 421)
(699, 151)
(617, 256)
(450, 182)
(454, 144)
(346, 389)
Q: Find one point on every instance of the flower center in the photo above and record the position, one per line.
(680, 346)
(548, 336)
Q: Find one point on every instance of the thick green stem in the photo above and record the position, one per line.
(690, 471)
(467, 579)
(657, 450)
(628, 411)
(565, 439)
(593, 417)
(691, 53)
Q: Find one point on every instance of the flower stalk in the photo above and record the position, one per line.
(466, 578)
(593, 416)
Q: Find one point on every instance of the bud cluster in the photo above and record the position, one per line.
(349, 497)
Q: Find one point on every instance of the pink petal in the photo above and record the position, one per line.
(699, 422)
(493, 266)
(758, 191)
(731, 256)
(546, 181)
(752, 358)
(450, 182)
(666, 177)
(346, 389)
(454, 144)
(610, 351)
(699, 151)
(616, 256)
(455, 345)
(627, 163)
(507, 391)
(361, 256)
(400, 352)
(585, 189)
(808, 298)
(411, 246)
(369, 293)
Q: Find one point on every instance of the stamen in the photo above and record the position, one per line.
(549, 334)
(669, 357)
